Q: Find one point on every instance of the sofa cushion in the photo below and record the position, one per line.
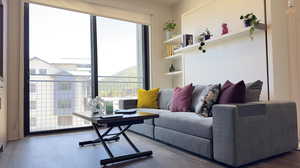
(232, 93)
(148, 98)
(154, 111)
(164, 98)
(253, 91)
(186, 122)
(209, 97)
(182, 98)
(196, 97)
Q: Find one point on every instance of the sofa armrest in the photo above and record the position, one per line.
(128, 104)
(245, 133)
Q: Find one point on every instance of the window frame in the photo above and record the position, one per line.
(94, 66)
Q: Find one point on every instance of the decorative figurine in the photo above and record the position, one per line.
(225, 29)
(172, 68)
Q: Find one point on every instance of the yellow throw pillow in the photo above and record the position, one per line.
(148, 98)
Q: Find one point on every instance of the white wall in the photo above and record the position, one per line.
(3, 113)
(14, 49)
(158, 14)
(294, 51)
(236, 59)
(240, 59)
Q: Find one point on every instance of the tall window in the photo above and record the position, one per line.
(60, 67)
(120, 66)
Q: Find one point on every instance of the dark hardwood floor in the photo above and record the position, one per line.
(62, 151)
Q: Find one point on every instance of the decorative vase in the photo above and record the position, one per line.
(97, 106)
(224, 29)
(247, 23)
(169, 34)
(207, 37)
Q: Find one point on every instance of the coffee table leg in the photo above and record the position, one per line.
(128, 140)
(102, 141)
(98, 140)
(125, 157)
(136, 155)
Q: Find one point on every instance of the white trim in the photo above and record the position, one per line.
(173, 73)
(243, 32)
(98, 10)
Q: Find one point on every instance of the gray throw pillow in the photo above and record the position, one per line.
(196, 97)
(208, 97)
(253, 91)
(164, 98)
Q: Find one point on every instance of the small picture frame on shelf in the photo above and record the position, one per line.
(187, 40)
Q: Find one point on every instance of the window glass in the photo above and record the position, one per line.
(60, 66)
(43, 71)
(120, 65)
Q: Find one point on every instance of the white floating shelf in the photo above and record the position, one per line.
(173, 73)
(244, 32)
(174, 39)
(175, 56)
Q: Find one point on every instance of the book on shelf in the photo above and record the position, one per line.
(170, 50)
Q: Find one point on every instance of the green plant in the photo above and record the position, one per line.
(170, 25)
(206, 35)
(251, 20)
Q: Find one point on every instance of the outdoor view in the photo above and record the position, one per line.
(60, 65)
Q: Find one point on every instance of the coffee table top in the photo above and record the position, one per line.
(130, 117)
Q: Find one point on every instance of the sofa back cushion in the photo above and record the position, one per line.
(164, 98)
(182, 99)
(253, 91)
(209, 97)
(197, 97)
(148, 98)
(232, 93)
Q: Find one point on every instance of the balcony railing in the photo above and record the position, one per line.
(53, 98)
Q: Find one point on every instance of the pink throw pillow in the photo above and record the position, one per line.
(182, 99)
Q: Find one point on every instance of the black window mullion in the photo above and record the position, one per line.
(145, 52)
(26, 71)
(94, 52)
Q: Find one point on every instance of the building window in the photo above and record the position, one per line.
(64, 104)
(32, 71)
(33, 105)
(43, 71)
(65, 120)
(32, 88)
(33, 122)
(64, 86)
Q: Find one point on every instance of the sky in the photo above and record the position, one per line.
(57, 34)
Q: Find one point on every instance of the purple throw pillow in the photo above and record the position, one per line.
(232, 93)
(182, 99)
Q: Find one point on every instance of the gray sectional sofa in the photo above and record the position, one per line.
(236, 135)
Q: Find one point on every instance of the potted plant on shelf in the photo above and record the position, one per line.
(206, 35)
(172, 68)
(169, 29)
(250, 20)
(202, 46)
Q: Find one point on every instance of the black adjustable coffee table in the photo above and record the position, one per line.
(126, 121)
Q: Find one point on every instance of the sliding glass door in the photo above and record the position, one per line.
(120, 65)
(60, 67)
(72, 56)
